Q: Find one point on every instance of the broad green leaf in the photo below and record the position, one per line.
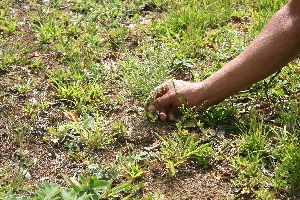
(49, 191)
(74, 183)
(119, 188)
(68, 194)
(83, 181)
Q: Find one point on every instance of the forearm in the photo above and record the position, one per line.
(274, 47)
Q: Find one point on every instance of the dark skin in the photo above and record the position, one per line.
(276, 45)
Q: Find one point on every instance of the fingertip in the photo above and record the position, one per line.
(172, 113)
(171, 117)
(151, 108)
(162, 116)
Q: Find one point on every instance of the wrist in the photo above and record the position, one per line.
(212, 91)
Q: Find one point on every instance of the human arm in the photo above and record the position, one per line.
(276, 45)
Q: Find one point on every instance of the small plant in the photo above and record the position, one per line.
(189, 118)
(130, 165)
(256, 138)
(8, 55)
(181, 65)
(47, 32)
(88, 130)
(100, 189)
(87, 186)
(290, 118)
(141, 75)
(35, 64)
(288, 171)
(11, 195)
(53, 191)
(118, 127)
(266, 84)
(31, 107)
(8, 24)
(24, 87)
(56, 3)
(19, 131)
(13, 181)
(156, 196)
(251, 178)
(107, 171)
(181, 147)
(82, 89)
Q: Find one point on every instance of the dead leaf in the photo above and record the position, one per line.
(264, 107)
(131, 26)
(27, 116)
(71, 117)
(155, 145)
(145, 22)
(36, 54)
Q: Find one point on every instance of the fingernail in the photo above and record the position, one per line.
(151, 108)
(162, 117)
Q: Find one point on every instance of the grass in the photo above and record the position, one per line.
(182, 147)
(107, 61)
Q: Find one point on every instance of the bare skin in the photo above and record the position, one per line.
(276, 45)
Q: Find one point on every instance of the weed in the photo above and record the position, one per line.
(56, 3)
(251, 176)
(8, 54)
(258, 154)
(24, 86)
(185, 26)
(12, 195)
(8, 23)
(189, 118)
(181, 65)
(99, 189)
(48, 191)
(156, 196)
(108, 171)
(118, 127)
(267, 84)
(143, 74)
(35, 64)
(290, 118)
(130, 165)
(13, 181)
(287, 173)
(19, 132)
(255, 139)
(181, 147)
(89, 130)
(82, 88)
(48, 32)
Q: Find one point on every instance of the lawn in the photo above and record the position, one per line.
(75, 74)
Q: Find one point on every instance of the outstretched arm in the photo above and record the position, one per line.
(276, 45)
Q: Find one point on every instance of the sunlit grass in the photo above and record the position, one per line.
(108, 57)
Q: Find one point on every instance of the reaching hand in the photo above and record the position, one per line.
(276, 45)
(169, 96)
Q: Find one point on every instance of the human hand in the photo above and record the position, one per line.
(170, 95)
